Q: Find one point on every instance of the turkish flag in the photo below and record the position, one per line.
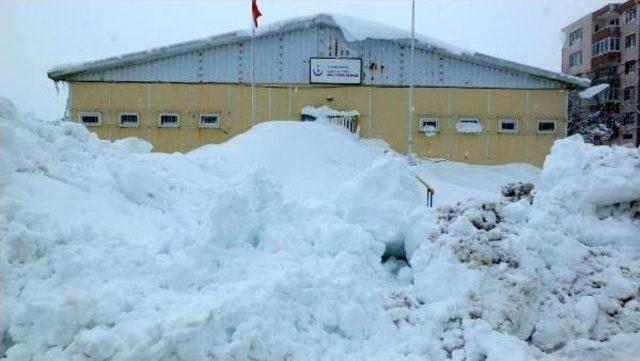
(255, 12)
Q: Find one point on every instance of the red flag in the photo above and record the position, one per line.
(255, 12)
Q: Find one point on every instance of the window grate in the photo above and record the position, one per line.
(129, 120)
(546, 126)
(209, 121)
(90, 119)
(169, 120)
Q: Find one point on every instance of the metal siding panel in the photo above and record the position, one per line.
(284, 58)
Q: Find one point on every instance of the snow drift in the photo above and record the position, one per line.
(238, 251)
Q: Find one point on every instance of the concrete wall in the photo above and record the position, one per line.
(586, 24)
(383, 114)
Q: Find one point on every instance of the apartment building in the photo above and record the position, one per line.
(603, 46)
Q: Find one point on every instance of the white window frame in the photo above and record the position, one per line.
(575, 36)
(628, 17)
(176, 125)
(128, 125)
(209, 126)
(555, 126)
(423, 129)
(90, 114)
(635, 43)
(575, 59)
(508, 120)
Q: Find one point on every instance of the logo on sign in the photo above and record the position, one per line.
(317, 71)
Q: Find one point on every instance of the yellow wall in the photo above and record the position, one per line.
(383, 114)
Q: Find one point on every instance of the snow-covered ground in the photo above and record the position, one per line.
(269, 247)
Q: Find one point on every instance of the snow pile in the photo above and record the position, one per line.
(325, 112)
(429, 130)
(561, 274)
(593, 91)
(111, 252)
(309, 159)
(468, 127)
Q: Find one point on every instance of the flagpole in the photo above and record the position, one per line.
(253, 74)
(410, 119)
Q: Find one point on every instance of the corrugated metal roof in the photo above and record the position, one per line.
(284, 50)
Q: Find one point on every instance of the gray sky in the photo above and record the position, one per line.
(37, 35)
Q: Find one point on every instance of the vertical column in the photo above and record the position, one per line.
(370, 120)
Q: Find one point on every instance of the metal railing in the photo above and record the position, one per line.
(346, 121)
(430, 191)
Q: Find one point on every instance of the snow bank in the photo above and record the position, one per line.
(269, 247)
(561, 273)
(311, 160)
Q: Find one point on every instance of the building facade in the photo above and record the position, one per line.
(186, 95)
(603, 46)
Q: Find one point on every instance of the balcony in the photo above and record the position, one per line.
(608, 32)
(606, 59)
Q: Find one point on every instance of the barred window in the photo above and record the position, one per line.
(209, 121)
(90, 119)
(508, 126)
(169, 120)
(546, 126)
(129, 119)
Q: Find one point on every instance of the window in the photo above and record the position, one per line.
(605, 45)
(629, 118)
(614, 43)
(596, 28)
(575, 59)
(90, 119)
(469, 125)
(209, 121)
(508, 126)
(630, 67)
(614, 22)
(630, 41)
(546, 126)
(429, 125)
(169, 120)
(129, 120)
(575, 36)
(627, 136)
(629, 93)
(631, 15)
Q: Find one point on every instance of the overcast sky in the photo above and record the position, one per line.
(37, 35)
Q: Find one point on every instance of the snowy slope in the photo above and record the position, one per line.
(111, 252)
(312, 160)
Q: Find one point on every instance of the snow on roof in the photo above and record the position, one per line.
(593, 91)
(354, 30)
